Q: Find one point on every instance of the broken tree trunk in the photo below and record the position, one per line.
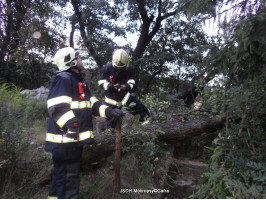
(182, 130)
(173, 131)
(189, 91)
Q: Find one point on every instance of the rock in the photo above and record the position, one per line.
(183, 177)
(127, 120)
(39, 93)
(197, 103)
(98, 122)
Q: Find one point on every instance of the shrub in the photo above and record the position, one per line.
(18, 115)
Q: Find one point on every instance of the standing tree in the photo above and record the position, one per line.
(96, 24)
(147, 19)
(27, 40)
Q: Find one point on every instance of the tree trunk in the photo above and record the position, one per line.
(189, 92)
(173, 131)
(73, 28)
(176, 130)
(146, 33)
(86, 41)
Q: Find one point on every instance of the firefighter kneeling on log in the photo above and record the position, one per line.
(117, 81)
(70, 107)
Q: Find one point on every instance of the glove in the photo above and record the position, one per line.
(72, 131)
(117, 86)
(123, 87)
(115, 113)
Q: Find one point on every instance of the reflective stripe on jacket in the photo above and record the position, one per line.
(65, 107)
(110, 76)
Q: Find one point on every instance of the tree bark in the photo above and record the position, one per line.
(86, 41)
(73, 28)
(189, 92)
(13, 23)
(146, 35)
(173, 131)
(158, 72)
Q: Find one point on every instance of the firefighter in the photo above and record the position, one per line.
(70, 107)
(117, 81)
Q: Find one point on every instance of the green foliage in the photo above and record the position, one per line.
(237, 166)
(237, 153)
(233, 172)
(146, 147)
(98, 19)
(173, 57)
(198, 9)
(22, 56)
(102, 179)
(18, 110)
(158, 108)
(20, 117)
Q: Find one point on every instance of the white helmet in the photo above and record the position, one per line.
(120, 58)
(65, 58)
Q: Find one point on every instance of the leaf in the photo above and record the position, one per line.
(210, 148)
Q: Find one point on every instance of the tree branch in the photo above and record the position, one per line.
(71, 37)
(88, 44)
(151, 78)
(142, 10)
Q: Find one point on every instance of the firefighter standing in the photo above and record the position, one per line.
(117, 80)
(70, 107)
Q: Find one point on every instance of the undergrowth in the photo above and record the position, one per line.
(237, 169)
(237, 164)
(99, 184)
(146, 146)
(20, 118)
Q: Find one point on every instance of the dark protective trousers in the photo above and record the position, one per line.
(139, 108)
(66, 180)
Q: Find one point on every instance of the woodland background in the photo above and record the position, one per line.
(176, 63)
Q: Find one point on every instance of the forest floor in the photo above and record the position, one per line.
(176, 174)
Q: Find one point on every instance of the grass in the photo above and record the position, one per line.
(22, 126)
(100, 183)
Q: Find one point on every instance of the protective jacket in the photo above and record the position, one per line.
(70, 102)
(111, 76)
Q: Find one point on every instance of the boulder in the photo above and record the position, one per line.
(39, 93)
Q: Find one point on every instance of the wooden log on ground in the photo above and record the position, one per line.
(176, 130)
(173, 131)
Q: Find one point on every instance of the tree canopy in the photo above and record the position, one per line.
(23, 55)
(174, 59)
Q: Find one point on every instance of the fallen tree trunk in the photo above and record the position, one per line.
(170, 131)
(182, 130)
